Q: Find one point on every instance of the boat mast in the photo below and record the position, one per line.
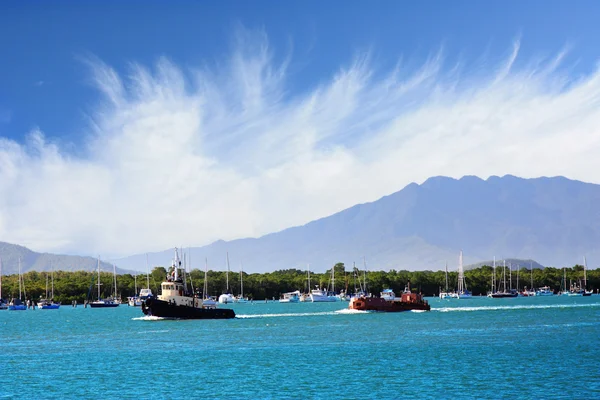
(190, 270)
(147, 272)
(241, 282)
(584, 273)
(531, 267)
(446, 276)
(494, 276)
(99, 278)
(460, 273)
(518, 267)
(20, 278)
(46, 285)
(0, 277)
(227, 256)
(504, 274)
(205, 289)
(52, 269)
(354, 274)
(365, 274)
(135, 284)
(308, 274)
(115, 279)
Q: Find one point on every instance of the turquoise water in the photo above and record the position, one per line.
(480, 348)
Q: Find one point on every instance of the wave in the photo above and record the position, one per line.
(515, 307)
(246, 316)
(148, 318)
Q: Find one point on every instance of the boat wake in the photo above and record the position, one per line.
(148, 318)
(349, 311)
(247, 316)
(516, 307)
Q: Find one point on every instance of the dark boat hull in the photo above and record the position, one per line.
(379, 304)
(109, 305)
(504, 295)
(159, 308)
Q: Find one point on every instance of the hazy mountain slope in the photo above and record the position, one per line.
(552, 220)
(30, 260)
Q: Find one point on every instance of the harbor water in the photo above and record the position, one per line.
(541, 347)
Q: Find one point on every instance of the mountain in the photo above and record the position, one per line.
(555, 221)
(32, 261)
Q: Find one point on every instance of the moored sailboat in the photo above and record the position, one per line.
(3, 304)
(227, 297)
(462, 292)
(16, 304)
(447, 294)
(50, 304)
(100, 302)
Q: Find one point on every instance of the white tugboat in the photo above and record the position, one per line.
(176, 302)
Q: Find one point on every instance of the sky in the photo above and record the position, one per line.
(129, 126)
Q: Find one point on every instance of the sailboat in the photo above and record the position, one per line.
(241, 298)
(207, 300)
(146, 292)
(462, 292)
(134, 301)
(505, 293)
(446, 294)
(305, 297)
(17, 304)
(322, 295)
(584, 291)
(227, 297)
(104, 303)
(3, 304)
(46, 304)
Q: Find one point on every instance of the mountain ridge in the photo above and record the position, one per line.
(554, 220)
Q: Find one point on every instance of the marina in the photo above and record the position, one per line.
(265, 336)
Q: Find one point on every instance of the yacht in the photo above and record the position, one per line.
(322, 296)
(291, 297)
(388, 294)
(544, 291)
(447, 294)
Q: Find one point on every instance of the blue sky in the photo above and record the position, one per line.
(43, 83)
(262, 115)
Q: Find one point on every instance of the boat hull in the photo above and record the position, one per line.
(103, 305)
(50, 306)
(164, 309)
(20, 307)
(379, 304)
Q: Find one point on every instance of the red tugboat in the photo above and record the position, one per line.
(390, 303)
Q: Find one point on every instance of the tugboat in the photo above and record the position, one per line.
(390, 303)
(176, 302)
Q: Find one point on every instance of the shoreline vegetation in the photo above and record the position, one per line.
(72, 286)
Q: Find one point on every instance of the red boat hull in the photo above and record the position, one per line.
(379, 304)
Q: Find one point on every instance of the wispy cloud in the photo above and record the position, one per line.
(180, 156)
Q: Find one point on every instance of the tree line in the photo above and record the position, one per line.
(81, 285)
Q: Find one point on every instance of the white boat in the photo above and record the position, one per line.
(343, 296)
(290, 297)
(462, 292)
(227, 297)
(305, 298)
(388, 294)
(322, 296)
(446, 294)
(544, 291)
(134, 301)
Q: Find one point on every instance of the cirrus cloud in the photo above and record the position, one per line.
(178, 156)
